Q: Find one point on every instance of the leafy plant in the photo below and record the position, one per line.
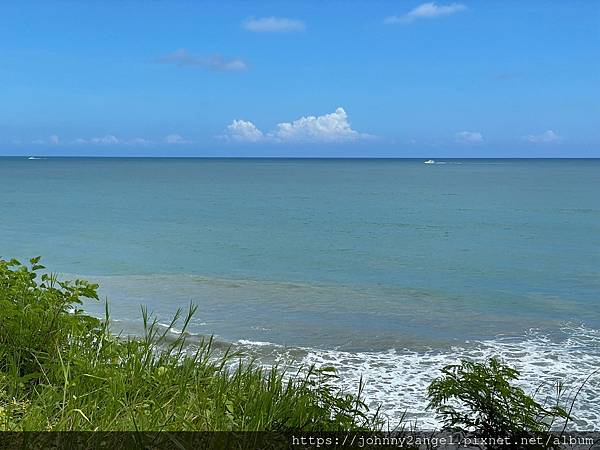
(38, 319)
(63, 370)
(479, 399)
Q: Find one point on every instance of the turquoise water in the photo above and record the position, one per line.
(363, 261)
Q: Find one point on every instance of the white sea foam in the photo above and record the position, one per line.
(170, 328)
(257, 343)
(397, 381)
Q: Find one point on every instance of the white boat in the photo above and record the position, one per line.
(430, 161)
(32, 157)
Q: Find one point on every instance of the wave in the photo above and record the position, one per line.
(396, 381)
(246, 342)
(397, 378)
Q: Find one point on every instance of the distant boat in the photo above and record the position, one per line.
(32, 157)
(430, 161)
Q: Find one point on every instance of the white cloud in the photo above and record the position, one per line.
(429, 10)
(333, 127)
(218, 63)
(175, 139)
(543, 138)
(273, 25)
(243, 131)
(328, 128)
(139, 141)
(52, 140)
(109, 139)
(468, 137)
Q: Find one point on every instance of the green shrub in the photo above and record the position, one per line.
(479, 399)
(38, 319)
(63, 370)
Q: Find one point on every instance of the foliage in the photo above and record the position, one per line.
(63, 370)
(478, 398)
(35, 317)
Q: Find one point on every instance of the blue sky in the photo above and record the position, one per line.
(329, 78)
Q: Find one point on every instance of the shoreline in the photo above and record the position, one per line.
(52, 347)
(395, 380)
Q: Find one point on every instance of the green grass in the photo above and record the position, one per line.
(61, 369)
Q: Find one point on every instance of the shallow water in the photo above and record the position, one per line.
(390, 268)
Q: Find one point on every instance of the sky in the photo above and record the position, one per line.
(323, 78)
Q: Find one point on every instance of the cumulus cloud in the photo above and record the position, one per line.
(273, 25)
(243, 131)
(328, 128)
(333, 127)
(543, 138)
(429, 10)
(217, 63)
(468, 137)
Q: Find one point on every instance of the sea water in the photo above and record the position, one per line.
(386, 268)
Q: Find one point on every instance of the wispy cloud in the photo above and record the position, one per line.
(429, 10)
(543, 138)
(111, 140)
(273, 25)
(53, 139)
(140, 141)
(217, 63)
(328, 128)
(108, 139)
(175, 139)
(468, 137)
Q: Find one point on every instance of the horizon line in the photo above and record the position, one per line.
(288, 157)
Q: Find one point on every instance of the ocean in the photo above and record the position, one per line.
(387, 268)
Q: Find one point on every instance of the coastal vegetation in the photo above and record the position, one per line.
(63, 370)
(478, 400)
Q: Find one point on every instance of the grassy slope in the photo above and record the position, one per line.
(63, 370)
